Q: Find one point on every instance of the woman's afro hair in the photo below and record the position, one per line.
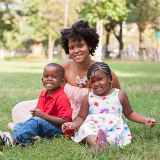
(79, 30)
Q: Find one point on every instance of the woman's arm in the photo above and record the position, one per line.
(115, 80)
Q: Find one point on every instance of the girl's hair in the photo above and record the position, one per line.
(99, 66)
(79, 30)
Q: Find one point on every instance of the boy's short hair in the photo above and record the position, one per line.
(62, 71)
(79, 30)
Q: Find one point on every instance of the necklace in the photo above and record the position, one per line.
(81, 82)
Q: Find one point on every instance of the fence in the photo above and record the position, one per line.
(144, 55)
(13, 53)
(141, 55)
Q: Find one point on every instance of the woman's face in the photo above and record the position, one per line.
(79, 51)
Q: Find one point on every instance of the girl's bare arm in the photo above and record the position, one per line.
(84, 110)
(132, 115)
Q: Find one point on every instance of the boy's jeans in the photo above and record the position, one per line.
(23, 131)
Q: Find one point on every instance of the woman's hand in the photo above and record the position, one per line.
(68, 126)
(150, 122)
(37, 113)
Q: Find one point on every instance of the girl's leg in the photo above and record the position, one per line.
(98, 141)
(91, 139)
(36, 126)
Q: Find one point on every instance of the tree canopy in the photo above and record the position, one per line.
(93, 10)
(144, 13)
(33, 19)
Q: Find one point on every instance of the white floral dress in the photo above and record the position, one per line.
(105, 113)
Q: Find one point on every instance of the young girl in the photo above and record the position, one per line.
(105, 105)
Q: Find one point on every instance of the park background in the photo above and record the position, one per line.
(128, 29)
(129, 44)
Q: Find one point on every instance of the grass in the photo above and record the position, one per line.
(21, 80)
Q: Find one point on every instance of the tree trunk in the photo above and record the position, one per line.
(37, 48)
(141, 40)
(1, 54)
(107, 37)
(120, 39)
(12, 53)
(98, 53)
(66, 14)
(50, 48)
(64, 56)
(142, 47)
(107, 43)
(110, 26)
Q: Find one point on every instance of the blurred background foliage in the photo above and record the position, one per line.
(33, 26)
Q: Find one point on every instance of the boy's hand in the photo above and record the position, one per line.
(150, 122)
(67, 126)
(36, 113)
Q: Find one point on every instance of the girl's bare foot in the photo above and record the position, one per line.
(101, 141)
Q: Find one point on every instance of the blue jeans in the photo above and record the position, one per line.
(23, 131)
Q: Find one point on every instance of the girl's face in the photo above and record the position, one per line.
(79, 51)
(100, 83)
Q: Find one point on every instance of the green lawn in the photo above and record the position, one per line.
(21, 80)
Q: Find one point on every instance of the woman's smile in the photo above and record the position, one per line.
(78, 56)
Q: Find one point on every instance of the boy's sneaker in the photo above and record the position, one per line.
(35, 138)
(5, 137)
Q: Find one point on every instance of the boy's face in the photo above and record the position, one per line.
(51, 79)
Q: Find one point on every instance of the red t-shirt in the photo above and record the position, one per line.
(57, 105)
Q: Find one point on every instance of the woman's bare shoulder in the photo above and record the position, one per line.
(67, 64)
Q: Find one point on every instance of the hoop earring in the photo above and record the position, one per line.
(111, 83)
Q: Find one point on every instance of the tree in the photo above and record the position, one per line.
(111, 27)
(37, 24)
(9, 25)
(69, 11)
(63, 55)
(143, 13)
(43, 19)
(36, 21)
(108, 11)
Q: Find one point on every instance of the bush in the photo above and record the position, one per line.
(32, 56)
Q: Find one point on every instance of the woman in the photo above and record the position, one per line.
(80, 41)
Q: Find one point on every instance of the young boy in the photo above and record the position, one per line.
(53, 109)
